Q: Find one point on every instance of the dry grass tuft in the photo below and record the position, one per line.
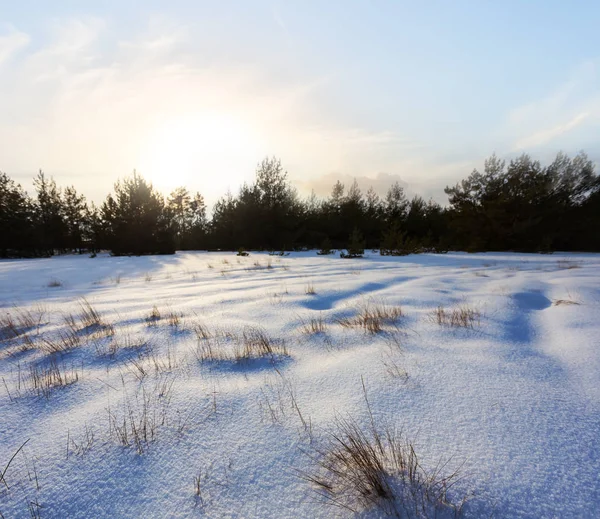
(315, 325)
(254, 343)
(54, 283)
(364, 469)
(309, 289)
(137, 422)
(20, 321)
(463, 316)
(372, 317)
(147, 277)
(153, 317)
(44, 380)
(174, 318)
(66, 341)
(565, 302)
(89, 316)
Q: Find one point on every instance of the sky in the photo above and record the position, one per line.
(196, 93)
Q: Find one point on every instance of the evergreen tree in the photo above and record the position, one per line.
(137, 220)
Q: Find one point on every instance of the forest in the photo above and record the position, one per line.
(519, 205)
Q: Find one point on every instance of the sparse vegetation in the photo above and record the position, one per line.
(54, 283)
(43, 380)
(314, 325)
(365, 468)
(463, 316)
(565, 302)
(64, 342)
(153, 317)
(372, 317)
(254, 343)
(137, 421)
(309, 289)
(89, 316)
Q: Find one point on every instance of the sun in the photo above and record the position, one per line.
(197, 149)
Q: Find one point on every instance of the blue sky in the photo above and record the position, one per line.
(198, 92)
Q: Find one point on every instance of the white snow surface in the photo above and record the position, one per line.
(515, 401)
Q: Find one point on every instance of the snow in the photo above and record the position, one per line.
(514, 400)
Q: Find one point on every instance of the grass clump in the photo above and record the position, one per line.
(372, 317)
(463, 316)
(309, 289)
(314, 326)
(66, 341)
(153, 317)
(253, 344)
(363, 469)
(54, 283)
(89, 316)
(44, 380)
(136, 423)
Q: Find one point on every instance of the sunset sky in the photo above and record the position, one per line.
(197, 92)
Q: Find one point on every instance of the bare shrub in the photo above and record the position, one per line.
(376, 467)
(54, 283)
(44, 380)
(372, 317)
(309, 289)
(463, 316)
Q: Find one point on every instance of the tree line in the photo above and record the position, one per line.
(515, 206)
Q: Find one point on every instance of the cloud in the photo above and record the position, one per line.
(545, 136)
(10, 43)
(569, 110)
(88, 107)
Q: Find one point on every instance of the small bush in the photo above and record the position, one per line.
(325, 248)
(54, 283)
(242, 252)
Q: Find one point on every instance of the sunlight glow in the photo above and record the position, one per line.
(214, 148)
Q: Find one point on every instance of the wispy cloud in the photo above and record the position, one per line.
(572, 107)
(545, 136)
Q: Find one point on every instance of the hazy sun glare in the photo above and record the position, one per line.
(212, 149)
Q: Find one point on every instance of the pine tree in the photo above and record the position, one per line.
(356, 246)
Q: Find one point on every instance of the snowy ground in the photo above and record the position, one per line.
(514, 400)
